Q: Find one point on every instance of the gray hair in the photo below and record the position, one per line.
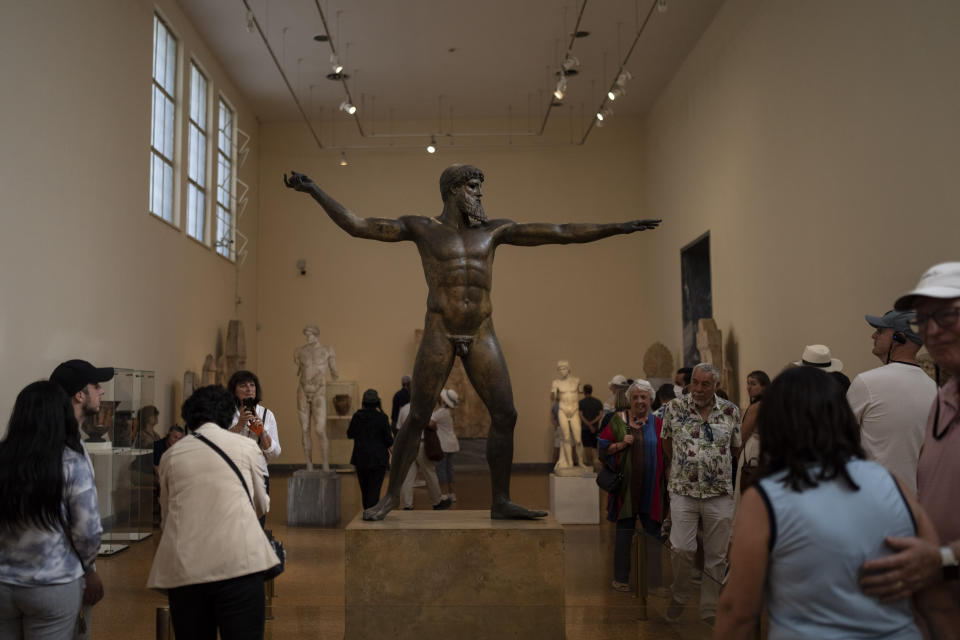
(709, 368)
(642, 385)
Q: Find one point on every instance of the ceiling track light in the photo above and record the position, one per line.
(615, 93)
(432, 147)
(335, 63)
(662, 6)
(343, 159)
(561, 89)
(570, 63)
(604, 114)
(623, 78)
(348, 107)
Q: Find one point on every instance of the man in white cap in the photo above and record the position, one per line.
(917, 563)
(891, 402)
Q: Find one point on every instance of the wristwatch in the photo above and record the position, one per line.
(951, 568)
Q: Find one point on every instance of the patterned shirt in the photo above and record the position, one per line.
(34, 557)
(702, 466)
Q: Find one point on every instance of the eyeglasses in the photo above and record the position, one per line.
(945, 318)
(708, 431)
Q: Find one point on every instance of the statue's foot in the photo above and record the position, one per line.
(508, 510)
(380, 510)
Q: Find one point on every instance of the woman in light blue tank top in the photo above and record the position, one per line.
(817, 514)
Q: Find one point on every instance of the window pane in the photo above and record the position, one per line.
(168, 128)
(171, 64)
(167, 192)
(196, 200)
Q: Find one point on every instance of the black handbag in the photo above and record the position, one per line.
(609, 479)
(278, 568)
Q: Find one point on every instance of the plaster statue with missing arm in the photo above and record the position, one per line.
(456, 249)
(566, 391)
(313, 360)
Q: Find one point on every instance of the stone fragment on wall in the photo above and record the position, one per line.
(658, 362)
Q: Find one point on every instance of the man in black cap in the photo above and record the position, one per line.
(81, 380)
(891, 402)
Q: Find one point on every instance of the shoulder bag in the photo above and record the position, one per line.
(609, 479)
(431, 445)
(277, 569)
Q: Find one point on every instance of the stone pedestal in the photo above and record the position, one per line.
(313, 498)
(454, 574)
(575, 499)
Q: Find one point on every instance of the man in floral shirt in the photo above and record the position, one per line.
(701, 438)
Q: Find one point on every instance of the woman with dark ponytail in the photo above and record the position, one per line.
(49, 517)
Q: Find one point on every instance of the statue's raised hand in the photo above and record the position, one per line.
(297, 181)
(640, 225)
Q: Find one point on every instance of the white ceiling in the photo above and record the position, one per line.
(415, 60)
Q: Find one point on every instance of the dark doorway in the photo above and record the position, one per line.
(697, 299)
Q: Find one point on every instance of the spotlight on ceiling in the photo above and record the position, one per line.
(604, 114)
(343, 159)
(561, 89)
(662, 6)
(432, 147)
(335, 63)
(348, 107)
(570, 63)
(623, 78)
(615, 93)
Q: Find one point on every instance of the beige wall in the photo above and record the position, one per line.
(369, 297)
(818, 142)
(87, 272)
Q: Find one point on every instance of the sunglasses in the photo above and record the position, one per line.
(708, 431)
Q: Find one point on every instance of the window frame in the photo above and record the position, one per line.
(198, 155)
(171, 128)
(226, 249)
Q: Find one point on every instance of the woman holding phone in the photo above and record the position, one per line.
(254, 420)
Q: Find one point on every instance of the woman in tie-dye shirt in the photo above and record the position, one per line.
(49, 518)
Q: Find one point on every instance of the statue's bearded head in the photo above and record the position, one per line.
(463, 182)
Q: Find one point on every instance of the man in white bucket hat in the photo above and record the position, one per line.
(918, 563)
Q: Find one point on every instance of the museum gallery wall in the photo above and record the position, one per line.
(817, 143)
(88, 272)
(813, 140)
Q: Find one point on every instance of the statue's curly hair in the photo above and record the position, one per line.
(456, 175)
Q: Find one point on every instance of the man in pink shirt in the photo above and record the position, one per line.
(917, 563)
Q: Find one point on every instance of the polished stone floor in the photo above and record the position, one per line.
(309, 598)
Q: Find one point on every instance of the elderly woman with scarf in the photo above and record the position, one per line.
(630, 442)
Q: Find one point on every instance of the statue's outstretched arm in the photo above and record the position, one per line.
(545, 233)
(385, 229)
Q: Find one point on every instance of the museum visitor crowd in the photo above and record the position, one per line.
(830, 503)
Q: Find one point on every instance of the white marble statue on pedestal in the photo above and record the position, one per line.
(313, 360)
(566, 392)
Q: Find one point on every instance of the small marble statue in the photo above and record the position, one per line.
(566, 391)
(312, 360)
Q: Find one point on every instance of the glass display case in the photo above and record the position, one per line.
(120, 441)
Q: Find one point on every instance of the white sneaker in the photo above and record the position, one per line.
(452, 496)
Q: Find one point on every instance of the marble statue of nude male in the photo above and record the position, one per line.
(313, 360)
(456, 250)
(566, 392)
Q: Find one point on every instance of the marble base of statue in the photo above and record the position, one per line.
(575, 499)
(313, 498)
(454, 574)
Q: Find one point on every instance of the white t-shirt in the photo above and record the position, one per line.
(891, 404)
(448, 439)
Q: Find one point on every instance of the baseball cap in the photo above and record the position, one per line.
(939, 281)
(618, 381)
(896, 320)
(74, 375)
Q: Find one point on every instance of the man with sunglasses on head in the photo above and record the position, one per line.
(891, 402)
(703, 431)
(917, 564)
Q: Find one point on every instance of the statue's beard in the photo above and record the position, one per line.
(472, 209)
